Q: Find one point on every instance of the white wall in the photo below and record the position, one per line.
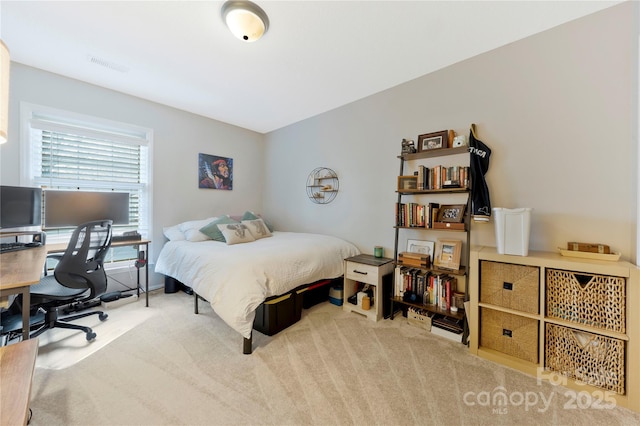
(178, 138)
(557, 109)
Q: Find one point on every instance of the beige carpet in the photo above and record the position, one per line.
(178, 368)
(60, 348)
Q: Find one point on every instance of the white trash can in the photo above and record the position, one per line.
(512, 230)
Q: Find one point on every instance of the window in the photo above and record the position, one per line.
(69, 151)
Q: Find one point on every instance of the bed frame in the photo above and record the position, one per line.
(247, 344)
(277, 312)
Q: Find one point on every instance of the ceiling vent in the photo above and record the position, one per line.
(107, 64)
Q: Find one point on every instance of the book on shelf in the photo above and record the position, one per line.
(416, 215)
(432, 212)
(440, 177)
(425, 287)
(410, 215)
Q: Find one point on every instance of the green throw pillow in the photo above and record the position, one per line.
(252, 216)
(211, 230)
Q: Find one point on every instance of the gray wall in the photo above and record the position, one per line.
(558, 110)
(178, 138)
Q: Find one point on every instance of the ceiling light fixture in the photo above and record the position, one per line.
(246, 20)
(4, 91)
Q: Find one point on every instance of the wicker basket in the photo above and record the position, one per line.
(589, 299)
(590, 358)
(510, 286)
(510, 334)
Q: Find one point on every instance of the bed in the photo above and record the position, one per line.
(237, 278)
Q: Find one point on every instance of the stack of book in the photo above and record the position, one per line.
(440, 177)
(425, 287)
(415, 215)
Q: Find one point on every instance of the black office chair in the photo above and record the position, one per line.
(77, 278)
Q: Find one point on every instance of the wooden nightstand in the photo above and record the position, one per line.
(377, 272)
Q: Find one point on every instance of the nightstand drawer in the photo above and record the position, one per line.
(360, 272)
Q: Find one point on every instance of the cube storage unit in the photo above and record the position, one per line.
(570, 319)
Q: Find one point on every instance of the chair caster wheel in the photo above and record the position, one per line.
(103, 317)
(91, 336)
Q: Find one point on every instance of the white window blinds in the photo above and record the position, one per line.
(72, 153)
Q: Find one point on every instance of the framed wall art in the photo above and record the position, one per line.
(447, 254)
(434, 140)
(215, 172)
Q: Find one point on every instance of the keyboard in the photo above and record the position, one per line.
(5, 247)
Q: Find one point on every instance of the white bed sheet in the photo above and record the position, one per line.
(237, 278)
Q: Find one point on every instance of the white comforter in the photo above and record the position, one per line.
(237, 278)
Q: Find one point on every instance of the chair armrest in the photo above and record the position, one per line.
(54, 256)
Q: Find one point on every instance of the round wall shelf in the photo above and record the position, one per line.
(322, 185)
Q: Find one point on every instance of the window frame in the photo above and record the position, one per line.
(89, 126)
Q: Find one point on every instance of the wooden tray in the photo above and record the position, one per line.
(588, 255)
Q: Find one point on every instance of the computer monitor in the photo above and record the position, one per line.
(72, 208)
(20, 207)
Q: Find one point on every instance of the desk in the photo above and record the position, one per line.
(143, 255)
(18, 270)
(17, 362)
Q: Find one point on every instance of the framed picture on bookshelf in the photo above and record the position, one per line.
(407, 183)
(434, 140)
(420, 246)
(453, 213)
(448, 254)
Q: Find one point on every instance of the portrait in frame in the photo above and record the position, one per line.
(215, 172)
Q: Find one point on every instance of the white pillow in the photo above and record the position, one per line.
(235, 233)
(258, 228)
(191, 229)
(173, 233)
